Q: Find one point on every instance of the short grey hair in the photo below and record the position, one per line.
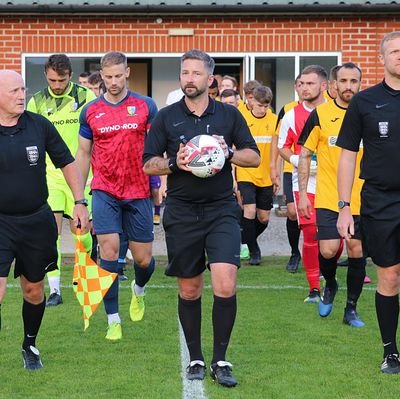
(387, 38)
(195, 54)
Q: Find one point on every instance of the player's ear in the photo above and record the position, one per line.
(128, 71)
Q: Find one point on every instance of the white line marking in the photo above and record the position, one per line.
(368, 287)
(190, 389)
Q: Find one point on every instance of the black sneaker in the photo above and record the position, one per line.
(255, 258)
(122, 276)
(391, 364)
(196, 370)
(293, 263)
(31, 358)
(222, 373)
(54, 300)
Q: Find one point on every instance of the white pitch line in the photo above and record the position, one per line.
(368, 287)
(190, 389)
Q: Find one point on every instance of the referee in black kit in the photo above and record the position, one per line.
(28, 231)
(373, 117)
(201, 216)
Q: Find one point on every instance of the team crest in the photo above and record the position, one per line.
(332, 141)
(33, 154)
(383, 129)
(131, 110)
(74, 106)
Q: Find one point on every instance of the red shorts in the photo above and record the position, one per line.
(301, 219)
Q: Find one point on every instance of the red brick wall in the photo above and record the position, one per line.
(356, 37)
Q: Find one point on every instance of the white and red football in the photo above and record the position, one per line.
(205, 155)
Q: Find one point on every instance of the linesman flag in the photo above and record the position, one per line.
(90, 282)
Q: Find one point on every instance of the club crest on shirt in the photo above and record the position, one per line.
(383, 129)
(33, 155)
(131, 110)
(332, 141)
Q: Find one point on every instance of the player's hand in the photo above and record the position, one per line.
(313, 167)
(305, 208)
(81, 218)
(345, 223)
(276, 185)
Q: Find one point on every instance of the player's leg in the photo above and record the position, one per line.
(155, 184)
(329, 247)
(123, 249)
(138, 225)
(264, 204)
(292, 226)
(107, 215)
(54, 276)
(355, 280)
(249, 235)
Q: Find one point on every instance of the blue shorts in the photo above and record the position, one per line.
(155, 182)
(326, 225)
(288, 187)
(133, 217)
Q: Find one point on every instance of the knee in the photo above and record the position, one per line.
(142, 261)
(328, 253)
(190, 293)
(33, 293)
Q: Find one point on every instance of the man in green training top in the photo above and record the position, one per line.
(61, 103)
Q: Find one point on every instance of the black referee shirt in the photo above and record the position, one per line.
(23, 148)
(373, 116)
(176, 121)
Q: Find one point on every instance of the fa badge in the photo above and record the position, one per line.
(74, 106)
(33, 155)
(131, 110)
(383, 129)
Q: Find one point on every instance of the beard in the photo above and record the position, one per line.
(192, 91)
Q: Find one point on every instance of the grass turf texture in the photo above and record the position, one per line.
(280, 347)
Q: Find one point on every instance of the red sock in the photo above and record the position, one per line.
(310, 255)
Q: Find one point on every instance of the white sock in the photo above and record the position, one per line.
(54, 283)
(243, 246)
(139, 290)
(113, 318)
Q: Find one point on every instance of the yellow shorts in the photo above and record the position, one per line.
(61, 199)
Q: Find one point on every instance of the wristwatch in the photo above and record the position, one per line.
(82, 201)
(230, 154)
(173, 165)
(341, 204)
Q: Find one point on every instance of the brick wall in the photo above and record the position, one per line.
(356, 37)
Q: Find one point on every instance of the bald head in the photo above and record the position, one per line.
(12, 97)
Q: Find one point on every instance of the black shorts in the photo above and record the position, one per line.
(194, 231)
(288, 187)
(326, 225)
(31, 240)
(380, 225)
(252, 194)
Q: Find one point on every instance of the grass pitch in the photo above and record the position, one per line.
(280, 347)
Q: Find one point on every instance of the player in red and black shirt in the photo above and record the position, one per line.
(112, 133)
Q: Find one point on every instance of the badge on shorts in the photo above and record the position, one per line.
(383, 129)
(33, 155)
(131, 110)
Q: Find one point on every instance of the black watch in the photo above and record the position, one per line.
(82, 201)
(341, 204)
(173, 165)
(230, 154)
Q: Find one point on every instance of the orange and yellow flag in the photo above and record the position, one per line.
(90, 282)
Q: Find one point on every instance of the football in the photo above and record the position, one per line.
(205, 155)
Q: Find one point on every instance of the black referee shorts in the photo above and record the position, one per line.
(194, 232)
(31, 240)
(380, 225)
(288, 187)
